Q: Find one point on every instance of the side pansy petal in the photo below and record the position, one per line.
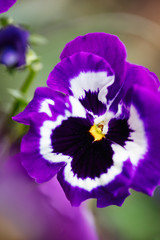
(147, 176)
(36, 150)
(147, 165)
(104, 45)
(45, 100)
(40, 156)
(86, 77)
(141, 76)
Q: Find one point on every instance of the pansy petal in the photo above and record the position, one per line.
(39, 156)
(45, 100)
(110, 199)
(86, 77)
(104, 45)
(144, 150)
(141, 76)
(6, 4)
(36, 151)
(38, 168)
(113, 193)
(135, 74)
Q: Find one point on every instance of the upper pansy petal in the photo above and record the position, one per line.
(144, 150)
(45, 100)
(6, 4)
(86, 77)
(104, 45)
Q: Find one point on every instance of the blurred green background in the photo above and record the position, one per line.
(137, 23)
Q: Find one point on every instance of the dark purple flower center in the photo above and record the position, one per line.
(90, 156)
(92, 104)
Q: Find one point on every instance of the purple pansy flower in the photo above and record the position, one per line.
(97, 125)
(6, 4)
(13, 46)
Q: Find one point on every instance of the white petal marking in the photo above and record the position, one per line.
(93, 81)
(77, 109)
(44, 107)
(103, 92)
(138, 147)
(46, 148)
(45, 145)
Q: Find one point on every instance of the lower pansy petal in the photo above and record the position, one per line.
(108, 183)
(96, 162)
(86, 77)
(110, 199)
(107, 192)
(144, 150)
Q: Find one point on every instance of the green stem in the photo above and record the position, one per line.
(7, 123)
(28, 81)
(23, 90)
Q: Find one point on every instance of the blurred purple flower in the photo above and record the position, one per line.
(97, 125)
(6, 4)
(13, 46)
(36, 212)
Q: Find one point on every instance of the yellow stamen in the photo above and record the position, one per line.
(96, 132)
